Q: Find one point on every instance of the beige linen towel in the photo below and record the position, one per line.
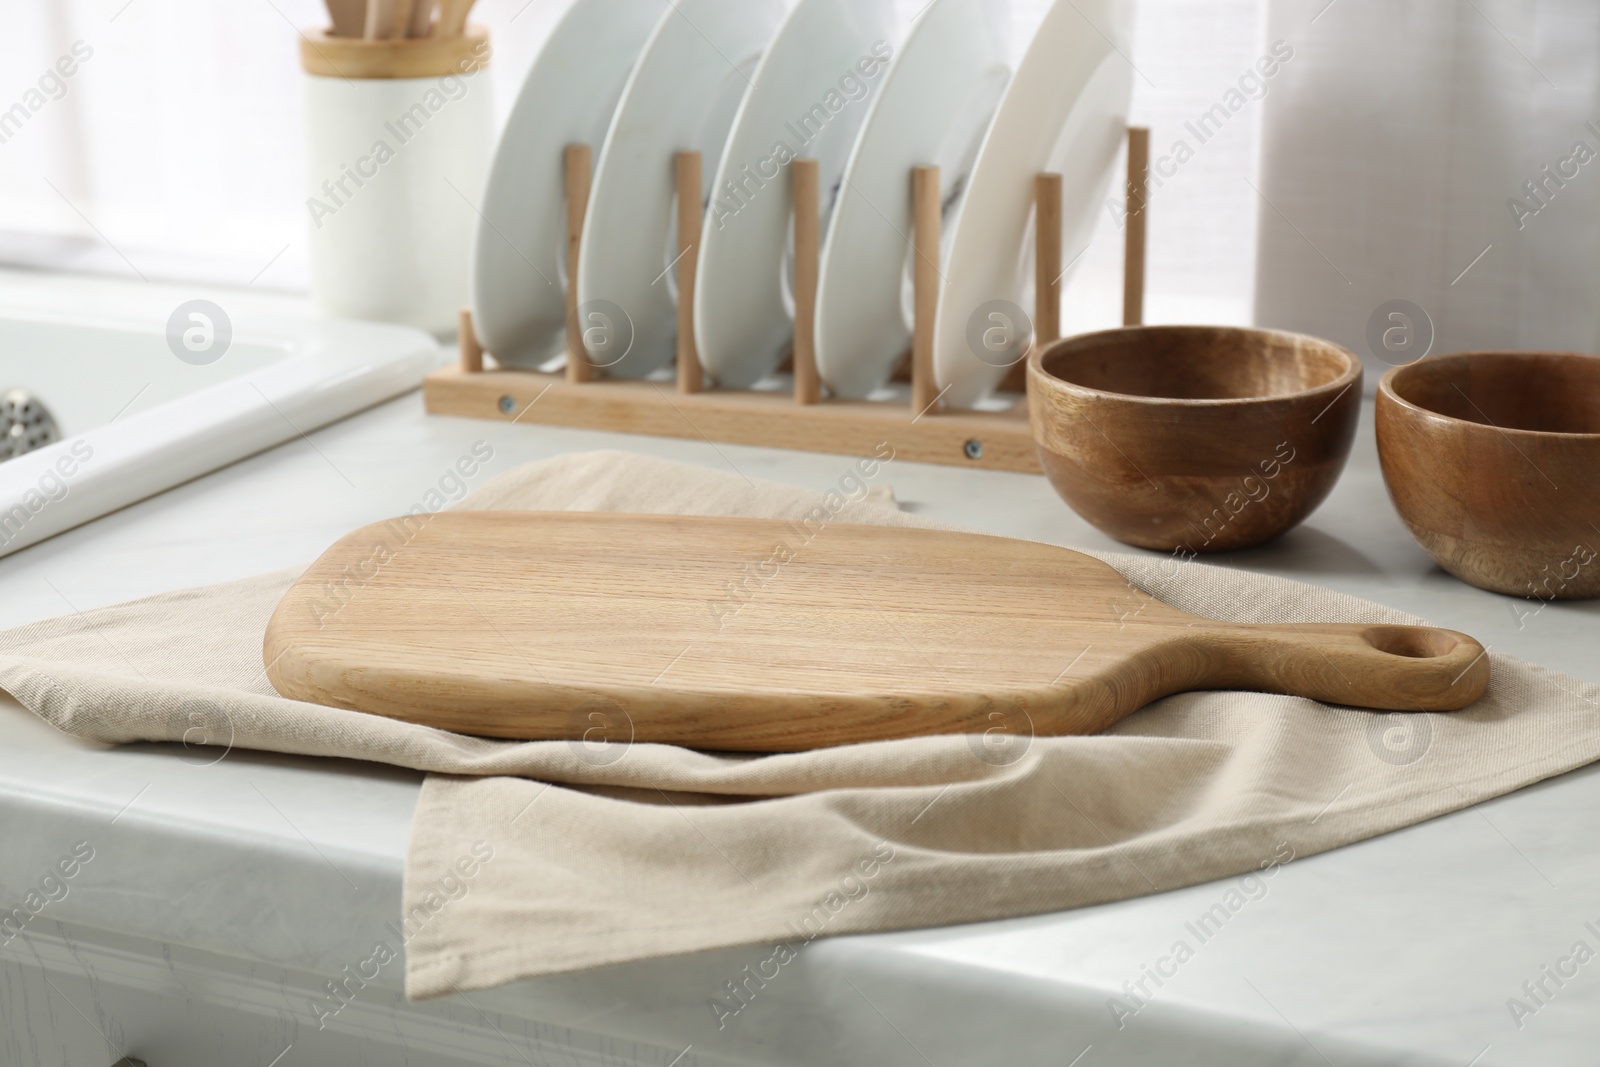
(534, 858)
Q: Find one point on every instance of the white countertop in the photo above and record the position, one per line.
(1402, 949)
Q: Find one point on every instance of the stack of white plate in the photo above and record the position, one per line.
(753, 84)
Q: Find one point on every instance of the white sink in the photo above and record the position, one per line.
(135, 419)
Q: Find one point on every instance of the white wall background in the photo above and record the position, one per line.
(175, 150)
(1401, 138)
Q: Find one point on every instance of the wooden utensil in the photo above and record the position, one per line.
(1193, 438)
(1493, 461)
(400, 26)
(754, 634)
(349, 17)
(380, 20)
(421, 22)
(452, 17)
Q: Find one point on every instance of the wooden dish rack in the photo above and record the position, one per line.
(803, 418)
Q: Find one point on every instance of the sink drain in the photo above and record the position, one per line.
(25, 424)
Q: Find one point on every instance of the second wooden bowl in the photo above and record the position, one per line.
(1193, 438)
(1493, 461)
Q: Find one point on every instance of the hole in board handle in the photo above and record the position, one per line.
(1413, 642)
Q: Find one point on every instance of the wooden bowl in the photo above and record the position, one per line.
(1493, 461)
(1193, 438)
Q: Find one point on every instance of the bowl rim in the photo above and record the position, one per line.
(1386, 392)
(1339, 386)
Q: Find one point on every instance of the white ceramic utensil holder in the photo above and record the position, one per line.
(398, 140)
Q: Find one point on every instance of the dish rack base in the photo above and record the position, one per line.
(987, 440)
(799, 417)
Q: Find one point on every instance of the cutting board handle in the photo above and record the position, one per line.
(1396, 668)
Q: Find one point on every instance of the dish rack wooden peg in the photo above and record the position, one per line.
(691, 217)
(1134, 234)
(802, 417)
(579, 173)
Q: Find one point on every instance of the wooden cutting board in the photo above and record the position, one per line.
(765, 635)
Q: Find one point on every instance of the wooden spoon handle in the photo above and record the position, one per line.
(421, 22)
(400, 18)
(380, 19)
(453, 17)
(1395, 668)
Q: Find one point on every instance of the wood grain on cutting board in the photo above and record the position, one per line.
(766, 635)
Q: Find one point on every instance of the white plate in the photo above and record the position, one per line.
(1065, 111)
(682, 94)
(810, 97)
(934, 106)
(519, 250)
